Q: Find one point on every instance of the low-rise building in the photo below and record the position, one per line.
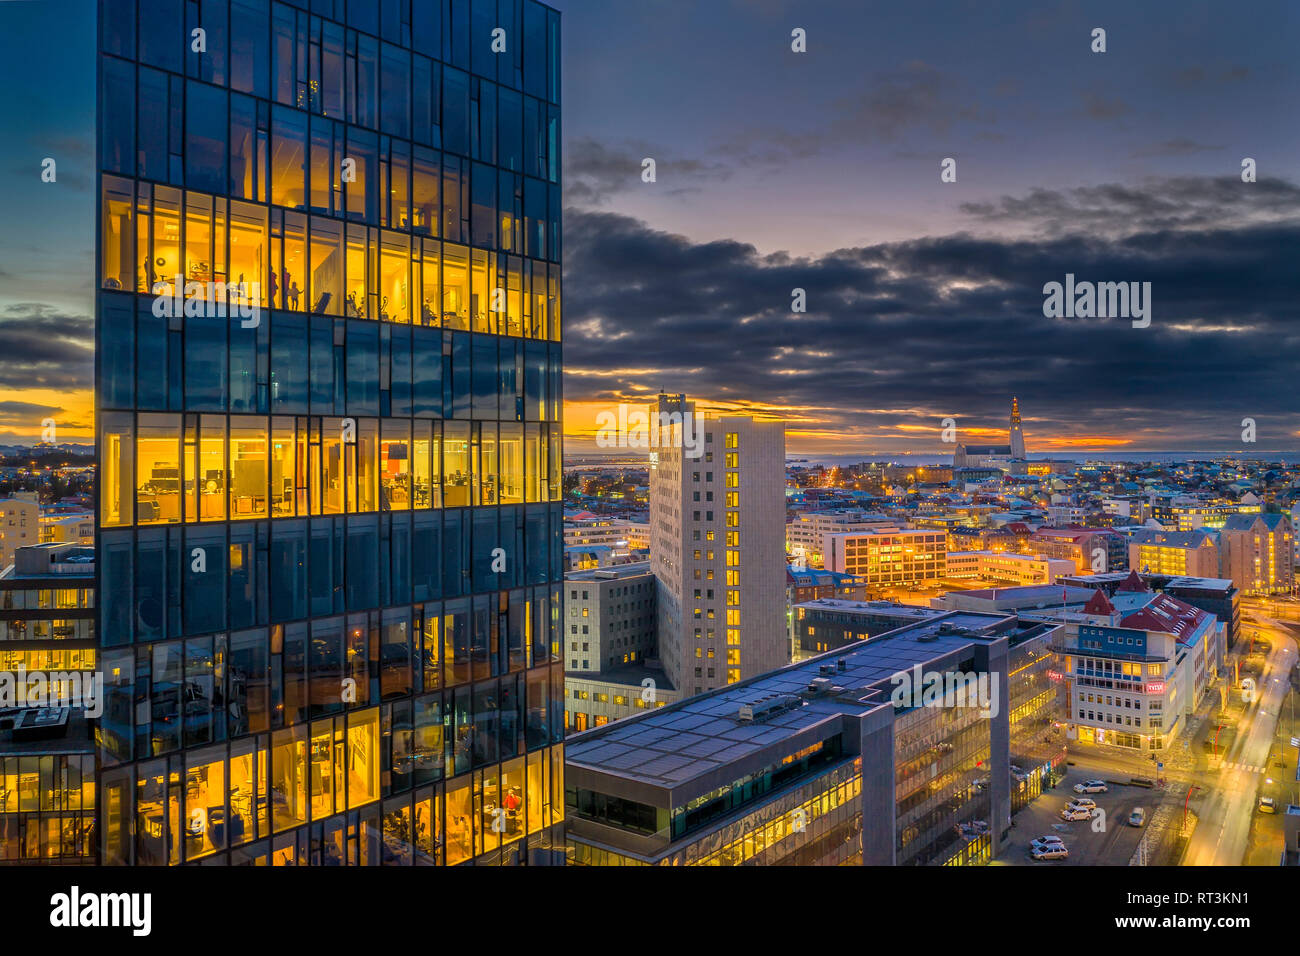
(804, 533)
(20, 524)
(610, 617)
(47, 757)
(832, 624)
(887, 557)
(1006, 568)
(824, 762)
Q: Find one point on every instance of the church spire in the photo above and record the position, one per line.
(1016, 436)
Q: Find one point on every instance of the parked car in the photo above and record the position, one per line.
(1050, 853)
(1046, 841)
(1075, 813)
(1084, 802)
(1137, 818)
(1090, 786)
(1267, 805)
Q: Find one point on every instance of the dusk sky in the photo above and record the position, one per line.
(821, 170)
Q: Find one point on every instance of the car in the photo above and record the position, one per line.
(1090, 786)
(1045, 841)
(1267, 805)
(1075, 813)
(1137, 818)
(1085, 802)
(1050, 853)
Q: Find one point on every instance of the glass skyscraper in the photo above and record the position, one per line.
(328, 405)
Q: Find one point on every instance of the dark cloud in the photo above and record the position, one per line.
(595, 171)
(1176, 203)
(41, 347)
(898, 335)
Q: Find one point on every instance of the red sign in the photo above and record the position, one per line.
(1155, 687)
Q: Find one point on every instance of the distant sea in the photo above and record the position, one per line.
(1286, 457)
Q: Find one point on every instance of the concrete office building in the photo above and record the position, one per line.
(812, 764)
(594, 700)
(717, 545)
(1003, 567)
(804, 533)
(330, 520)
(1090, 549)
(609, 618)
(887, 557)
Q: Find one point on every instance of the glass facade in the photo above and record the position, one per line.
(1037, 744)
(47, 766)
(329, 524)
(943, 807)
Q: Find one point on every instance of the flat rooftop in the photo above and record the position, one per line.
(1046, 595)
(630, 674)
(614, 572)
(873, 607)
(673, 745)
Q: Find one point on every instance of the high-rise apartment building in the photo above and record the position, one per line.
(328, 400)
(717, 547)
(1256, 551)
(1191, 553)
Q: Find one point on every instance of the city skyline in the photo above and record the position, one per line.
(924, 299)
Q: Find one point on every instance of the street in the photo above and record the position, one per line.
(1226, 805)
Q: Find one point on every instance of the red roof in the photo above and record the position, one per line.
(1099, 604)
(1168, 615)
(1132, 583)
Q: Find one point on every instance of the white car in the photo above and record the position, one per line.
(1075, 813)
(1045, 842)
(1050, 853)
(1084, 802)
(1090, 786)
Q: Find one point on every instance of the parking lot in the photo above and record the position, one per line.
(1111, 843)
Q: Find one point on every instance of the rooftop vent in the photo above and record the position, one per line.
(768, 707)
